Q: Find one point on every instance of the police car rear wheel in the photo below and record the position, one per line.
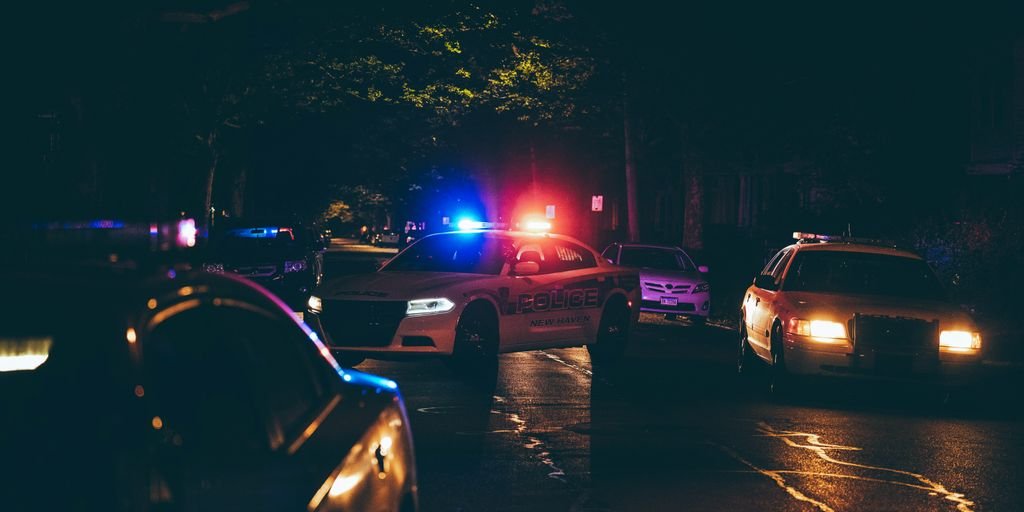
(612, 335)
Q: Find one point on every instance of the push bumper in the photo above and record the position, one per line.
(805, 357)
(416, 336)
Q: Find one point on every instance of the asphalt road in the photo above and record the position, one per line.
(674, 428)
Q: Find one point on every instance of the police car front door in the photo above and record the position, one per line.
(557, 306)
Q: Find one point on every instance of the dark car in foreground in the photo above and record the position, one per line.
(185, 391)
(284, 257)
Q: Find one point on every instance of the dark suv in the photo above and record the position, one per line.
(283, 257)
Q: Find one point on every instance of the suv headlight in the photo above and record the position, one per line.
(315, 304)
(959, 341)
(294, 266)
(702, 288)
(216, 268)
(429, 306)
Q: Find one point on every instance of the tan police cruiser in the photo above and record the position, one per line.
(838, 306)
(472, 294)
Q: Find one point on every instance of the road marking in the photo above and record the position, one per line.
(532, 443)
(559, 360)
(816, 446)
(777, 478)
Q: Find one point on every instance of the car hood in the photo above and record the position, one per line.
(274, 256)
(675, 276)
(394, 285)
(844, 307)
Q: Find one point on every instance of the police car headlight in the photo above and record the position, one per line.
(216, 268)
(959, 341)
(294, 266)
(702, 288)
(315, 304)
(429, 306)
(824, 331)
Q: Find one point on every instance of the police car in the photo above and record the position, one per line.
(129, 382)
(472, 294)
(829, 305)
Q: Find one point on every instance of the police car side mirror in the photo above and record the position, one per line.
(703, 269)
(526, 268)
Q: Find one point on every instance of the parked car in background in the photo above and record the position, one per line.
(387, 238)
(671, 283)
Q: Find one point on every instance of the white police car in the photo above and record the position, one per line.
(473, 294)
(830, 305)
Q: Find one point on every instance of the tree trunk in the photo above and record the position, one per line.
(693, 215)
(238, 193)
(694, 164)
(211, 173)
(632, 221)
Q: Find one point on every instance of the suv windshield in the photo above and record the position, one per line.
(252, 237)
(655, 258)
(862, 273)
(468, 253)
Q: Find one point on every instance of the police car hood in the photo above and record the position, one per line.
(396, 285)
(841, 307)
(670, 276)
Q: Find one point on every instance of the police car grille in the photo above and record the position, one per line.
(362, 323)
(893, 334)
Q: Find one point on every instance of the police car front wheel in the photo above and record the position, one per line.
(476, 340)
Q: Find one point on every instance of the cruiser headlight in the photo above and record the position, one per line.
(959, 341)
(315, 304)
(825, 330)
(429, 306)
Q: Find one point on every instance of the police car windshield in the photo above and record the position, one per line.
(468, 253)
(655, 258)
(864, 274)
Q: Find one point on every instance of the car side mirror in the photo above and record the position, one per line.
(526, 268)
(703, 269)
(765, 282)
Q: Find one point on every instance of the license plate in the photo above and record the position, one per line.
(894, 364)
(669, 301)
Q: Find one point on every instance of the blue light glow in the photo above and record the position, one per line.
(368, 380)
(257, 232)
(468, 224)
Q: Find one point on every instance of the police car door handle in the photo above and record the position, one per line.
(757, 300)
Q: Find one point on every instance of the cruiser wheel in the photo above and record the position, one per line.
(476, 344)
(779, 380)
(746, 361)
